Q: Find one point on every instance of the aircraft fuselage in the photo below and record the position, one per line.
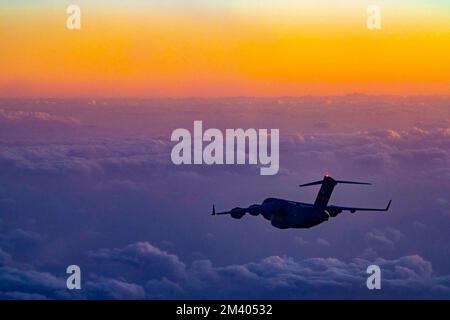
(284, 214)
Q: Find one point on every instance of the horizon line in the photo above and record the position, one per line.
(220, 97)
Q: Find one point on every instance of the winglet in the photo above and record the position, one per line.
(213, 210)
(388, 205)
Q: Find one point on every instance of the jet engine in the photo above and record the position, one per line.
(333, 212)
(237, 213)
(254, 209)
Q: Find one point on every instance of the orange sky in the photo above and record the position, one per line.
(258, 51)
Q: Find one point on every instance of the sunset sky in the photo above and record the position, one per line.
(87, 176)
(181, 48)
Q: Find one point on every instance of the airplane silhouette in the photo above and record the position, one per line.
(284, 214)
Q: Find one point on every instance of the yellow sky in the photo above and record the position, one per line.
(162, 52)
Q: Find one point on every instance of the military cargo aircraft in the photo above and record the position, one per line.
(284, 214)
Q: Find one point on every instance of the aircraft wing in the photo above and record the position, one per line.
(354, 209)
(214, 213)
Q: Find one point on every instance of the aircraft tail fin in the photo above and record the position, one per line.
(326, 189)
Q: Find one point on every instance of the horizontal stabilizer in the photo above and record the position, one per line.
(331, 180)
(311, 183)
(352, 182)
(327, 185)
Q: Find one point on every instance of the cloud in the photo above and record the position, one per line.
(105, 179)
(143, 258)
(20, 235)
(19, 117)
(300, 241)
(386, 237)
(111, 289)
(322, 242)
(19, 240)
(378, 150)
(97, 158)
(18, 283)
(30, 125)
(275, 277)
(5, 257)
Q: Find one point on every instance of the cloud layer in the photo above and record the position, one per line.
(93, 185)
(143, 271)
